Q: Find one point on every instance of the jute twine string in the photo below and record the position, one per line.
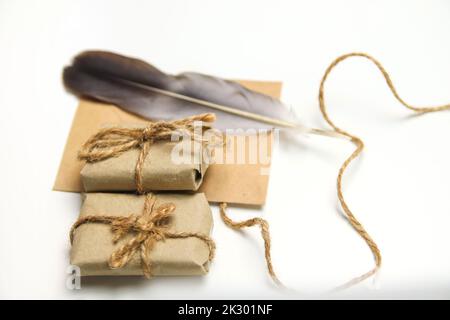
(111, 142)
(359, 147)
(264, 225)
(148, 228)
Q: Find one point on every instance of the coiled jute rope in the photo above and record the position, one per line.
(359, 148)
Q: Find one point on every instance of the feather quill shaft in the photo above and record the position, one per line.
(141, 88)
(254, 116)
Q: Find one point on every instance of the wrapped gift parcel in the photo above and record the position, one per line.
(159, 171)
(151, 235)
(146, 158)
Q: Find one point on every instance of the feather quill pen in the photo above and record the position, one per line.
(140, 88)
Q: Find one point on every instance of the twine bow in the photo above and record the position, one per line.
(148, 228)
(111, 142)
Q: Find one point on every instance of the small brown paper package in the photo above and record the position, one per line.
(179, 247)
(159, 171)
(159, 156)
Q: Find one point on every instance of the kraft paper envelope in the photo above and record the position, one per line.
(244, 182)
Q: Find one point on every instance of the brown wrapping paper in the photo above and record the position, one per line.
(159, 172)
(232, 183)
(92, 244)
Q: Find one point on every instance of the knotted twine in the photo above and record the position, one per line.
(359, 148)
(111, 142)
(147, 229)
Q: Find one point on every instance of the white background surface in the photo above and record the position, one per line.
(399, 188)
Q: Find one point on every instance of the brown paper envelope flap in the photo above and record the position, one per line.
(232, 183)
